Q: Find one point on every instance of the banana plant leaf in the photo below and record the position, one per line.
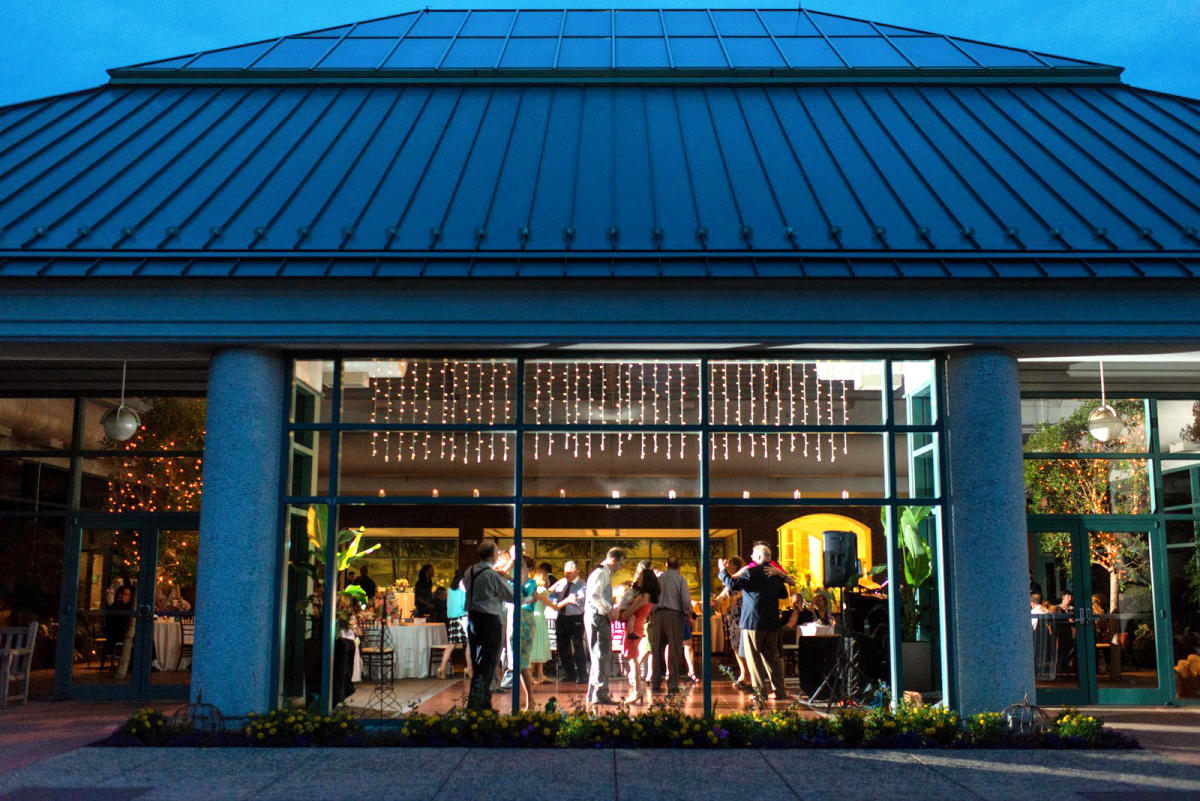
(918, 559)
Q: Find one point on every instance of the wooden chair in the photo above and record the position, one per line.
(187, 639)
(16, 658)
(378, 656)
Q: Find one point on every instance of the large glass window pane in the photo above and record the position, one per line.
(1123, 605)
(1052, 424)
(108, 593)
(126, 483)
(34, 483)
(1087, 486)
(808, 610)
(917, 473)
(168, 424)
(633, 392)
(566, 539)
(779, 392)
(427, 463)
(429, 391)
(30, 593)
(401, 618)
(312, 385)
(29, 424)
(1181, 487)
(620, 465)
(811, 465)
(914, 395)
(1178, 426)
(1183, 567)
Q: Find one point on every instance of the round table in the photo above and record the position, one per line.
(412, 645)
(168, 643)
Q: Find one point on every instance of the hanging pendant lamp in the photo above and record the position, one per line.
(1103, 423)
(121, 423)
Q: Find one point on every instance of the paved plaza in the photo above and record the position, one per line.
(460, 773)
(44, 757)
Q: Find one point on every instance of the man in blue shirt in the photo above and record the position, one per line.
(762, 587)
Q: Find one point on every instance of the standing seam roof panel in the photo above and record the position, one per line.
(510, 199)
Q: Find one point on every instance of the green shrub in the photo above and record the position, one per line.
(301, 727)
(1073, 725)
(986, 728)
(146, 726)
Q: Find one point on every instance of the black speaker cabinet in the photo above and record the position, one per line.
(841, 558)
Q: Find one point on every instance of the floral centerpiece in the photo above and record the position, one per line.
(402, 585)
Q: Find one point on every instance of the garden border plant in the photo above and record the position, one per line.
(906, 726)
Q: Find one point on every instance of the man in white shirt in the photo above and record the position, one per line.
(598, 616)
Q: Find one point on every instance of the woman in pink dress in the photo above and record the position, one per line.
(635, 608)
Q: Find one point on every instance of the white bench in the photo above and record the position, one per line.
(16, 658)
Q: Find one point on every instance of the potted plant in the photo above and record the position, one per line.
(916, 646)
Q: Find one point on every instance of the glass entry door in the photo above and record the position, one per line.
(130, 595)
(1098, 612)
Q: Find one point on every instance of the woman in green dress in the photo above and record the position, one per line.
(540, 650)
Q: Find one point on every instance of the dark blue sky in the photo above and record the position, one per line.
(55, 46)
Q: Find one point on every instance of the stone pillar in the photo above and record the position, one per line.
(989, 559)
(236, 614)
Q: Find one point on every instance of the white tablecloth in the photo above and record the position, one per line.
(411, 646)
(168, 644)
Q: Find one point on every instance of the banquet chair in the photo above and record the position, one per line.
(187, 639)
(617, 666)
(377, 654)
(16, 658)
(435, 657)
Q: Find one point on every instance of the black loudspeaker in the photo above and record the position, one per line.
(841, 559)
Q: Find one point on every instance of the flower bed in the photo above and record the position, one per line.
(660, 727)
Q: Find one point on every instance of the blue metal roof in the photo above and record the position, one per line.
(674, 41)
(548, 169)
(1042, 266)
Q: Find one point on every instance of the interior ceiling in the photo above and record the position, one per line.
(553, 533)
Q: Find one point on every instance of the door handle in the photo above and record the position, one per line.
(144, 611)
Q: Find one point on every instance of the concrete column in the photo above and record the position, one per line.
(236, 616)
(989, 561)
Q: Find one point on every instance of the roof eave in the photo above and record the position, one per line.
(908, 75)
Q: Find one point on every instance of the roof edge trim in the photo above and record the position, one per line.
(908, 75)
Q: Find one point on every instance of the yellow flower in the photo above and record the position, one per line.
(546, 732)
(343, 725)
(930, 732)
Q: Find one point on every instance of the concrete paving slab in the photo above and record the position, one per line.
(84, 767)
(818, 775)
(1001, 774)
(693, 775)
(386, 774)
(532, 774)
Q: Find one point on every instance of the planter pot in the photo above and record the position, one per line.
(918, 665)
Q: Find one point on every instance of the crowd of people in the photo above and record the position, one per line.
(495, 598)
